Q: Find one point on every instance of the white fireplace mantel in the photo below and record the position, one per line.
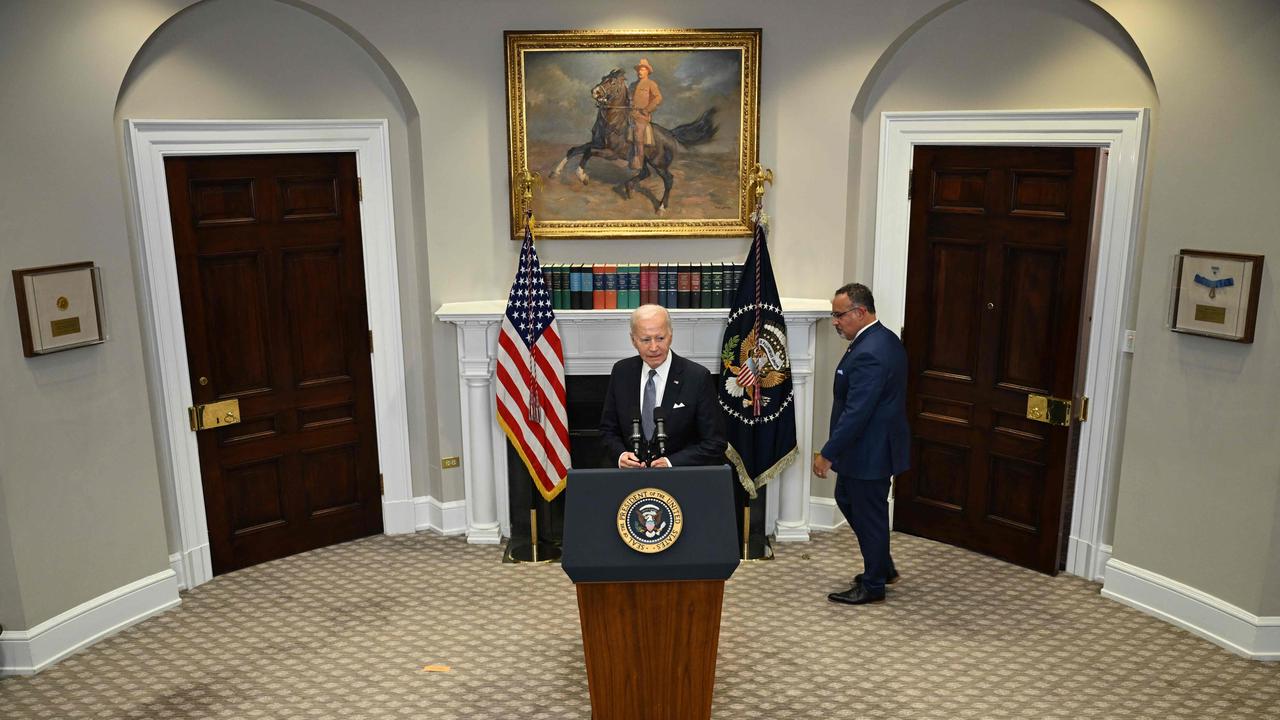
(593, 341)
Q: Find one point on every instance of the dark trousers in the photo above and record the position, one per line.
(865, 504)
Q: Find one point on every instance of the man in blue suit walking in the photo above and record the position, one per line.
(870, 439)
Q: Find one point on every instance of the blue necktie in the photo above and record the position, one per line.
(646, 406)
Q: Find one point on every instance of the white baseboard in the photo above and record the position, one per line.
(1087, 560)
(1213, 619)
(26, 652)
(179, 570)
(823, 514)
(398, 516)
(447, 518)
(1100, 560)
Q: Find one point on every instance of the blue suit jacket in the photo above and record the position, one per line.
(870, 438)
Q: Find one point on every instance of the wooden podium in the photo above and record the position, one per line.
(650, 620)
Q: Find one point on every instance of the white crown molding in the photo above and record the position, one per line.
(1123, 134)
(1214, 619)
(148, 143)
(446, 518)
(26, 652)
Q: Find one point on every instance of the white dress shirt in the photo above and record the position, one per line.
(659, 380)
(659, 385)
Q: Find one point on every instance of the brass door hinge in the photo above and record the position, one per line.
(1082, 408)
(382, 487)
(911, 182)
(360, 189)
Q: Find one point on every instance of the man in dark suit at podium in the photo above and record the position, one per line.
(870, 439)
(658, 384)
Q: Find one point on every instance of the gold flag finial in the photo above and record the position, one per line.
(527, 181)
(759, 176)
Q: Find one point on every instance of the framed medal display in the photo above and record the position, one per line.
(1215, 294)
(59, 307)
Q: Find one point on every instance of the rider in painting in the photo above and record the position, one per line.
(645, 98)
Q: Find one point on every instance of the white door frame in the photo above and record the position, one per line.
(148, 143)
(1124, 134)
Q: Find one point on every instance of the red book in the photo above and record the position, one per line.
(611, 287)
(649, 284)
(695, 286)
(597, 286)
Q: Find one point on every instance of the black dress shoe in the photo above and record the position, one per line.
(857, 579)
(856, 595)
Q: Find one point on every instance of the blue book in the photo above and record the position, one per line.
(575, 284)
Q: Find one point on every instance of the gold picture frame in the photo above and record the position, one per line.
(1215, 294)
(59, 307)
(571, 89)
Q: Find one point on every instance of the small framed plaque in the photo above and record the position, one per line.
(59, 307)
(1215, 294)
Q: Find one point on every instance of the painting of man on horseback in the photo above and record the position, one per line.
(633, 138)
(623, 130)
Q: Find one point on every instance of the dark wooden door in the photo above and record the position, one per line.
(272, 284)
(998, 248)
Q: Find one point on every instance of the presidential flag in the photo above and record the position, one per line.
(530, 376)
(755, 378)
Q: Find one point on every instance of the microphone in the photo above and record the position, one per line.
(636, 437)
(660, 432)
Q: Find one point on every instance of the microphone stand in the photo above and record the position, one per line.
(660, 434)
(637, 439)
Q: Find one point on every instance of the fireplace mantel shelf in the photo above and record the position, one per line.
(593, 340)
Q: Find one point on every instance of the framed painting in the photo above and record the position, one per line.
(633, 133)
(1215, 294)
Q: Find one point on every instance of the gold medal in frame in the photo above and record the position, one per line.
(59, 307)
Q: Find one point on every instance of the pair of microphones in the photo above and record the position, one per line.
(659, 446)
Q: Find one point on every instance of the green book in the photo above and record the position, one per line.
(632, 285)
(562, 286)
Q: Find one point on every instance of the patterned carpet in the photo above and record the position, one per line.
(344, 632)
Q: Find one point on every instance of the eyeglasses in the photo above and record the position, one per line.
(837, 315)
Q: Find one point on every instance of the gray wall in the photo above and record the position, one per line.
(249, 59)
(1200, 481)
(78, 473)
(10, 598)
(1198, 499)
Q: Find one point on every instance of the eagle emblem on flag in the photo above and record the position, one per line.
(761, 363)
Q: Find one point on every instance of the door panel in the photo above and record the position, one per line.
(272, 284)
(999, 239)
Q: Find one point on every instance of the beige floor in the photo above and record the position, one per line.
(344, 632)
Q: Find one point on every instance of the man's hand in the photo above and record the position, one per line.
(660, 462)
(629, 460)
(821, 465)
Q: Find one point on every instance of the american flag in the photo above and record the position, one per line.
(531, 403)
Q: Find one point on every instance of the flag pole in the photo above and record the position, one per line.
(533, 533)
(759, 176)
(746, 532)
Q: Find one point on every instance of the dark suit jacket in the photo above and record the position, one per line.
(695, 430)
(870, 438)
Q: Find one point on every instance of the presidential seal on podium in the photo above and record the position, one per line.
(649, 520)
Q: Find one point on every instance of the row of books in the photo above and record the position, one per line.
(606, 286)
